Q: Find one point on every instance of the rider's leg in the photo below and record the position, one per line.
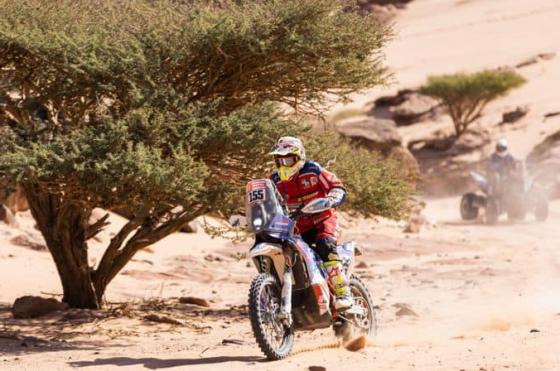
(326, 248)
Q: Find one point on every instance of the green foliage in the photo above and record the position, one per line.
(466, 95)
(163, 107)
(375, 186)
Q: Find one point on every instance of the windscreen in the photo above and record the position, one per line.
(261, 204)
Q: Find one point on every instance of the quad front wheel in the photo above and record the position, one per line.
(469, 210)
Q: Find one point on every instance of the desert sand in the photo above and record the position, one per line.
(477, 297)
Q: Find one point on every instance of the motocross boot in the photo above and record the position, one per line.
(338, 280)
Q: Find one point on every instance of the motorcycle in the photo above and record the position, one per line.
(291, 291)
(514, 194)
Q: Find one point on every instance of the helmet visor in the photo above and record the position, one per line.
(286, 161)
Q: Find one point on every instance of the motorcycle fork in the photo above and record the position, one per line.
(287, 286)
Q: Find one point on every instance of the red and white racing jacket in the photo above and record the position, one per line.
(311, 182)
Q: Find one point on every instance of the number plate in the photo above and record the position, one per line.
(256, 191)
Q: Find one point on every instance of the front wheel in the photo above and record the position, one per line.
(469, 210)
(274, 338)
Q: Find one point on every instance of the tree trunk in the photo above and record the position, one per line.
(64, 226)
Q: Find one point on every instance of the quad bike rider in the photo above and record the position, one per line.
(299, 182)
(506, 188)
(501, 164)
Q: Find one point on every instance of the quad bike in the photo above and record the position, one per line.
(291, 291)
(513, 194)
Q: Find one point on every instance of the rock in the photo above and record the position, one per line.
(233, 341)
(547, 56)
(406, 107)
(191, 227)
(534, 330)
(356, 344)
(381, 136)
(35, 306)
(27, 241)
(416, 219)
(162, 319)
(317, 368)
(361, 265)
(374, 134)
(515, 115)
(551, 114)
(536, 59)
(527, 62)
(415, 224)
(414, 109)
(543, 164)
(394, 100)
(404, 310)
(195, 301)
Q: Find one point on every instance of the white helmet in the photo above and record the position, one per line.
(289, 156)
(502, 147)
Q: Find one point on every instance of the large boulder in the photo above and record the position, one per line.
(407, 107)
(35, 306)
(381, 136)
(374, 134)
(543, 163)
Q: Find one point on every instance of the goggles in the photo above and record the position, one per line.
(287, 161)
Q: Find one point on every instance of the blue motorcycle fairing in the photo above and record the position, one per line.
(280, 227)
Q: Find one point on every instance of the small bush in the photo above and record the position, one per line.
(466, 95)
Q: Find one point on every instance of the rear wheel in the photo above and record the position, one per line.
(469, 210)
(274, 338)
(516, 213)
(358, 324)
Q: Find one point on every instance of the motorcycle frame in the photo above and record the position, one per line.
(307, 299)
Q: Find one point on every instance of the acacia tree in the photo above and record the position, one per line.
(160, 107)
(466, 95)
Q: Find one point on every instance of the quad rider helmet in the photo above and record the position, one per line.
(289, 156)
(502, 147)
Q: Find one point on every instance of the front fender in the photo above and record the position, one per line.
(265, 249)
(272, 251)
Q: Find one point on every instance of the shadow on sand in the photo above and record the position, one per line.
(156, 363)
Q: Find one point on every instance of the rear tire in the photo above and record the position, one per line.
(366, 325)
(468, 209)
(274, 338)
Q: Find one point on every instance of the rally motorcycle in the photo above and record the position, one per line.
(514, 194)
(291, 291)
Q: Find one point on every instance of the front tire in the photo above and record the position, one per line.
(273, 337)
(468, 209)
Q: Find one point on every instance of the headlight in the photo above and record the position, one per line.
(257, 222)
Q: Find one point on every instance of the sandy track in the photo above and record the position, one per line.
(478, 292)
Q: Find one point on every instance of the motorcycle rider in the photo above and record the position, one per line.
(300, 181)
